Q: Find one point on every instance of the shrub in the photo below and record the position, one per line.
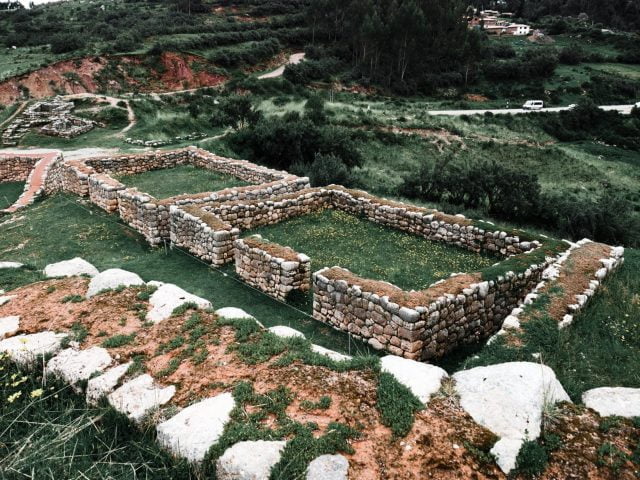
(118, 341)
(397, 405)
(325, 170)
(65, 42)
(532, 458)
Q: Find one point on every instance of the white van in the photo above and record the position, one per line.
(533, 105)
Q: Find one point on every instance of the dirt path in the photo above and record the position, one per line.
(293, 59)
(15, 114)
(113, 101)
(37, 180)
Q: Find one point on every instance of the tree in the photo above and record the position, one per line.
(236, 111)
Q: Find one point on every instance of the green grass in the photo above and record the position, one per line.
(9, 193)
(600, 348)
(332, 237)
(118, 341)
(397, 405)
(183, 179)
(48, 432)
(86, 231)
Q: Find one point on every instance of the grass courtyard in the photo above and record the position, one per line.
(332, 237)
(183, 179)
(9, 193)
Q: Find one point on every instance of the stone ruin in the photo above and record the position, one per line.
(54, 117)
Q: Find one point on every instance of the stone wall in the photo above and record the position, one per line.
(426, 223)
(274, 269)
(16, 168)
(202, 234)
(142, 212)
(418, 325)
(103, 191)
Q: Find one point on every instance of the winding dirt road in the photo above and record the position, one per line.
(293, 59)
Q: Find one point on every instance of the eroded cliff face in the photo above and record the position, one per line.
(167, 72)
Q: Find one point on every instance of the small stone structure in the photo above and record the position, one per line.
(53, 116)
(274, 269)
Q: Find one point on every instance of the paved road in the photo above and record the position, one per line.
(293, 59)
(625, 109)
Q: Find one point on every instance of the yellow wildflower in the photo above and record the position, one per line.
(37, 393)
(14, 397)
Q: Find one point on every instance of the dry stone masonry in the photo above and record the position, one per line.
(274, 269)
(53, 116)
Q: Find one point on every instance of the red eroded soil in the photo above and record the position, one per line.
(443, 443)
(82, 75)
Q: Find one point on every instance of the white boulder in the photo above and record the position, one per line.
(6, 299)
(328, 467)
(335, 356)
(138, 397)
(285, 332)
(168, 297)
(104, 384)
(608, 401)
(9, 326)
(70, 268)
(73, 366)
(421, 378)
(10, 265)
(508, 399)
(24, 349)
(251, 460)
(112, 278)
(233, 313)
(192, 432)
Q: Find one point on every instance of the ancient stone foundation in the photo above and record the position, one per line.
(274, 269)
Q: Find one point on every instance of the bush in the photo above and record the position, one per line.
(112, 116)
(282, 142)
(236, 111)
(325, 170)
(65, 42)
(532, 458)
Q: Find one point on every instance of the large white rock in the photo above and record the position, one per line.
(10, 265)
(193, 431)
(73, 366)
(285, 332)
(328, 467)
(104, 384)
(335, 356)
(9, 326)
(70, 268)
(421, 378)
(508, 399)
(168, 297)
(6, 299)
(112, 278)
(138, 397)
(24, 349)
(608, 401)
(249, 460)
(233, 313)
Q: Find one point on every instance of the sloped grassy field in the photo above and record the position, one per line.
(9, 193)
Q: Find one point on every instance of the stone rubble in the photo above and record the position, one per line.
(9, 326)
(328, 467)
(102, 385)
(73, 366)
(112, 278)
(139, 397)
(169, 297)
(421, 378)
(193, 431)
(252, 460)
(70, 268)
(509, 399)
(24, 350)
(610, 401)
